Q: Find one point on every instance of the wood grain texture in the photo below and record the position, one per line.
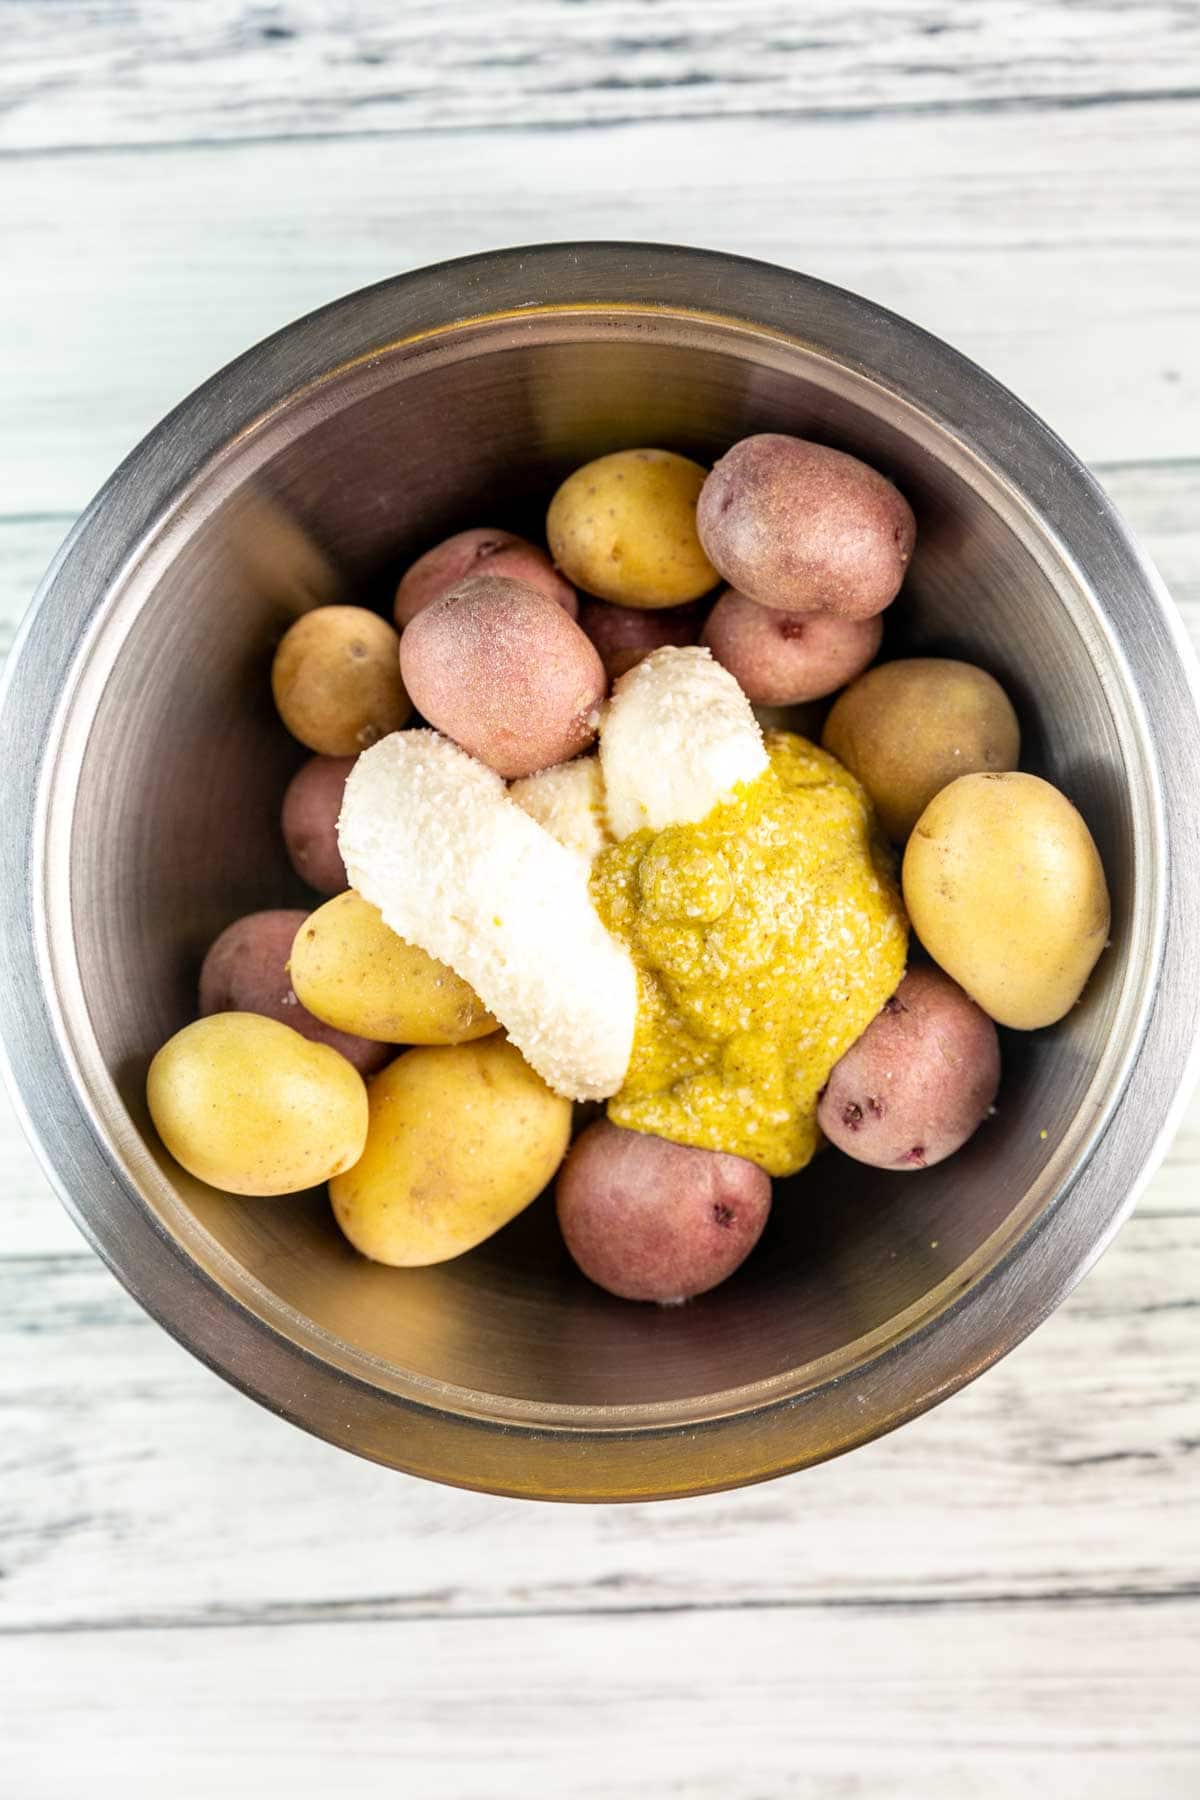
(27, 545)
(984, 1704)
(985, 231)
(1002, 1598)
(32, 1222)
(136, 1491)
(166, 70)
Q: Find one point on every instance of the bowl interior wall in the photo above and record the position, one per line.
(175, 830)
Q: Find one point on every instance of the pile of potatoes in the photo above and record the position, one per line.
(292, 1076)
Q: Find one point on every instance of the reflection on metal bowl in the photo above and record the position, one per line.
(145, 770)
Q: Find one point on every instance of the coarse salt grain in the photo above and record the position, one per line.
(430, 838)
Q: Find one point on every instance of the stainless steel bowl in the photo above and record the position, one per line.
(145, 769)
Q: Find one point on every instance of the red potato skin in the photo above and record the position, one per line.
(623, 635)
(918, 1082)
(651, 1220)
(802, 528)
(311, 805)
(786, 658)
(246, 971)
(481, 551)
(500, 668)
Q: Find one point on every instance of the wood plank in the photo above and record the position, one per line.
(1064, 259)
(1000, 1599)
(164, 70)
(26, 547)
(32, 1222)
(136, 1489)
(1094, 1703)
(1176, 1186)
(1161, 501)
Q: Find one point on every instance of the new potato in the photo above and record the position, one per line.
(624, 528)
(336, 680)
(787, 658)
(624, 635)
(907, 728)
(506, 673)
(803, 528)
(918, 1082)
(250, 1106)
(648, 1219)
(246, 971)
(309, 819)
(460, 1140)
(351, 970)
(1004, 887)
(478, 552)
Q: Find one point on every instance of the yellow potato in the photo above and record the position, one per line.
(624, 528)
(461, 1140)
(907, 728)
(250, 1106)
(1005, 889)
(336, 680)
(347, 964)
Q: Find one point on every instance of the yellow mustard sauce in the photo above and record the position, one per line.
(766, 939)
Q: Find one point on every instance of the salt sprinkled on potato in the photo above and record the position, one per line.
(499, 668)
(568, 800)
(479, 552)
(432, 839)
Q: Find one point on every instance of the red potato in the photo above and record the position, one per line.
(786, 658)
(802, 528)
(311, 805)
(625, 634)
(651, 1220)
(500, 668)
(479, 552)
(246, 971)
(919, 1080)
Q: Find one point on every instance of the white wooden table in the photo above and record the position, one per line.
(1003, 1598)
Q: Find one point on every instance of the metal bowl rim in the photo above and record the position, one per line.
(626, 1459)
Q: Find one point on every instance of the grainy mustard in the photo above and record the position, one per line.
(766, 939)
